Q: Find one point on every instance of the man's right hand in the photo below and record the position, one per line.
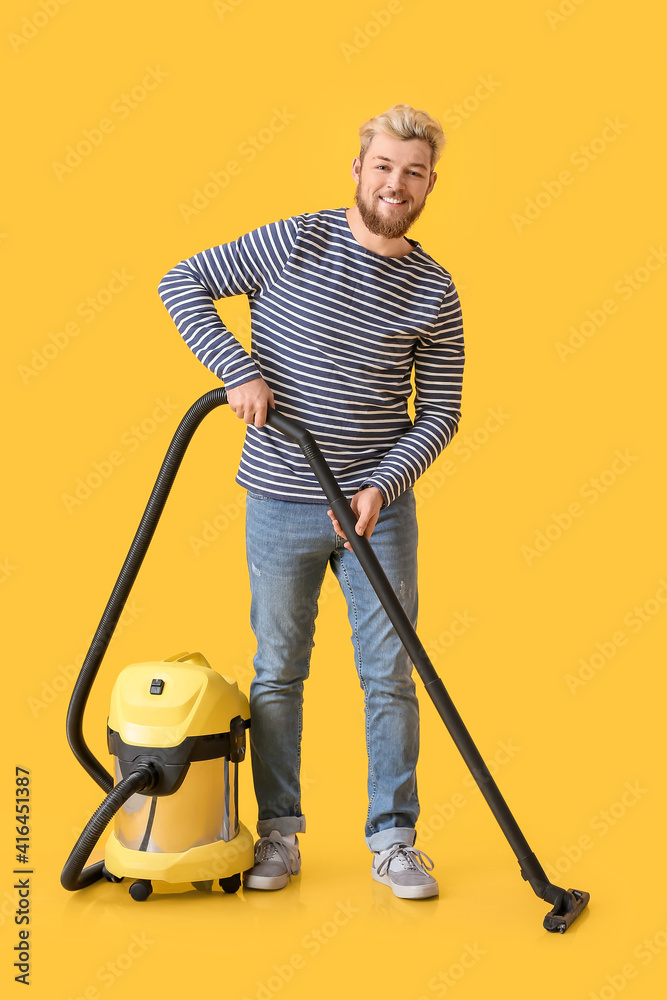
(250, 401)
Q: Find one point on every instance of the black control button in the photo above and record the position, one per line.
(157, 685)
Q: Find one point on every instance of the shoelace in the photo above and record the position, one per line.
(266, 849)
(411, 859)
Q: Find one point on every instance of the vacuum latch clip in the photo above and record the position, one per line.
(237, 728)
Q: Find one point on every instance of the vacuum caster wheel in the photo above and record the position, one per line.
(109, 877)
(141, 889)
(231, 884)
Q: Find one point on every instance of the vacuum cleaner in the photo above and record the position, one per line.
(177, 731)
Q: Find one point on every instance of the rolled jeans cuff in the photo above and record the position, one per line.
(283, 825)
(387, 838)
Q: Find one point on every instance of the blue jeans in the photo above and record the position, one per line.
(289, 546)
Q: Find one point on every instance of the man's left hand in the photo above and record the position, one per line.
(366, 506)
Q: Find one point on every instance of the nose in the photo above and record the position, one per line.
(395, 181)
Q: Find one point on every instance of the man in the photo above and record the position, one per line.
(344, 310)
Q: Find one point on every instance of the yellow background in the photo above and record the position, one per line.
(533, 87)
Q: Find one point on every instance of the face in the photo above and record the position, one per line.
(392, 184)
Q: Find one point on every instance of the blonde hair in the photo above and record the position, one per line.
(404, 122)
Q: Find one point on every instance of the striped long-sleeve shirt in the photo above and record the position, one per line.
(337, 332)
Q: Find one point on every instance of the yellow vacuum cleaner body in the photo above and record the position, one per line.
(188, 724)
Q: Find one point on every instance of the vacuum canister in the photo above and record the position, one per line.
(189, 723)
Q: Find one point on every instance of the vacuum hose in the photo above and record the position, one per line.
(568, 904)
(125, 581)
(74, 876)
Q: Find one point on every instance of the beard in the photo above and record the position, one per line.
(379, 226)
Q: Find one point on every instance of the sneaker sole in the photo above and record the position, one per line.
(407, 891)
(265, 881)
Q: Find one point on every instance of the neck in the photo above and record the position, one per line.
(398, 247)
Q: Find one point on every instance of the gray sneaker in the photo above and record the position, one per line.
(276, 860)
(406, 871)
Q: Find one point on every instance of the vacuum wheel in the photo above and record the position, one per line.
(231, 884)
(109, 877)
(141, 889)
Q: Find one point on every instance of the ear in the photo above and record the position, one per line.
(356, 169)
(431, 182)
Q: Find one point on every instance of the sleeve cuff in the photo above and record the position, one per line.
(244, 373)
(385, 498)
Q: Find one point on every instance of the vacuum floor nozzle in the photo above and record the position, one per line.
(564, 913)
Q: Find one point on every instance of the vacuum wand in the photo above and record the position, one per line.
(567, 904)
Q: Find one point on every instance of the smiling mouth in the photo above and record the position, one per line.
(392, 201)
